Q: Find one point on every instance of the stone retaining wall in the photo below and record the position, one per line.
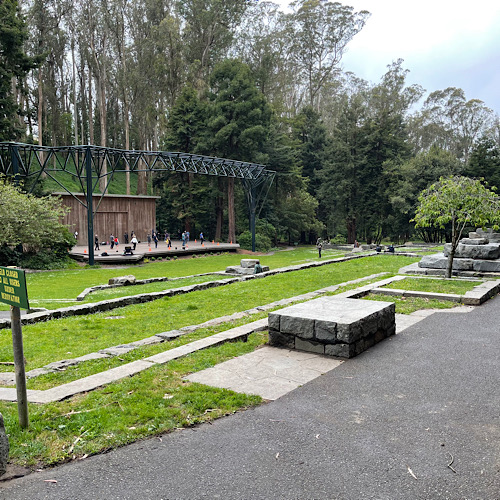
(107, 305)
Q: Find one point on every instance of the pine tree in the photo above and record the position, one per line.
(14, 65)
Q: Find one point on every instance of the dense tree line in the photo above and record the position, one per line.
(241, 79)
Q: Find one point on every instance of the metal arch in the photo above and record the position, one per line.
(89, 164)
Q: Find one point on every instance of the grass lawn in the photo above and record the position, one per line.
(79, 335)
(157, 400)
(438, 285)
(47, 286)
(152, 402)
(407, 305)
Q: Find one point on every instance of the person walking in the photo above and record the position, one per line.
(183, 239)
(112, 241)
(202, 238)
(134, 241)
(149, 240)
(96, 242)
(155, 239)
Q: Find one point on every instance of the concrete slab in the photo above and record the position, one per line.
(88, 383)
(269, 372)
(10, 394)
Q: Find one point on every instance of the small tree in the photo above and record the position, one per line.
(31, 222)
(459, 201)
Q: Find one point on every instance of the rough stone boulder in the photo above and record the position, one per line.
(439, 261)
(122, 280)
(488, 234)
(468, 251)
(247, 266)
(249, 263)
(4, 447)
(474, 241)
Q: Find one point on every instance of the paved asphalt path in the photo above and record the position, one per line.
(384, 425)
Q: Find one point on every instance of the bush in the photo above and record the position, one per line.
(262, 242)
(340, 239)
(45, 259)
(9, 256)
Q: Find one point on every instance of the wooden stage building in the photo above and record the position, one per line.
(116, 215)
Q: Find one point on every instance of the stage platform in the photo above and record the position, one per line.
(143, 250)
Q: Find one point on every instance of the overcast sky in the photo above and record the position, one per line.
(444, 43)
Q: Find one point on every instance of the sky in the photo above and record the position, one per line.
(444, 43)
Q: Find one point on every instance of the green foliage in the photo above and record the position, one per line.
(33, 223)
(461, 202)
(14, 65)
(240, 116)
(311, 135)
(339, 239)
(485, 162)
(408, 179)
(262, 242)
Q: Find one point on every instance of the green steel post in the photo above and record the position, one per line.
(90, 208)
(252, 216)
(15, 163)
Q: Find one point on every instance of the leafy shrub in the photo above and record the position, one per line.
(340, 239)
(262, 242)
(9, 256)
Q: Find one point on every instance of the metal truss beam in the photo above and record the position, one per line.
(89, 165)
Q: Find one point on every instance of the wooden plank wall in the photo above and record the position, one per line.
(116, 215)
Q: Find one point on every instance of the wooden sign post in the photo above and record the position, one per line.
(13, 291)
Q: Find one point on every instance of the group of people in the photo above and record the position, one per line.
(153, 237)
(115, 242)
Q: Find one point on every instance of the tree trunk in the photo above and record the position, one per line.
(219, 209)
(351, 230)
(40, 117)
(91, 110)
(75, 113)
(454, 243)
(231, 237)
(101, 85)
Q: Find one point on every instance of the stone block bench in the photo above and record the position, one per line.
(333, 326)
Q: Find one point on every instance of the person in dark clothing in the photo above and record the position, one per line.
(319, 246)
(96, 242)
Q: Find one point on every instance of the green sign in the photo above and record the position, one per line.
(13, 287)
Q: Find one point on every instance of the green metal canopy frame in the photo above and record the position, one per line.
(88, 165)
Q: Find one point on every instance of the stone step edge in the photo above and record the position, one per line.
(480, 294)
(145, 281)
(8, 378)
(8, 393)
(97, 380)
(107, 305)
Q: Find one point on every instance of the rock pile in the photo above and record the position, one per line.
(480, 253)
